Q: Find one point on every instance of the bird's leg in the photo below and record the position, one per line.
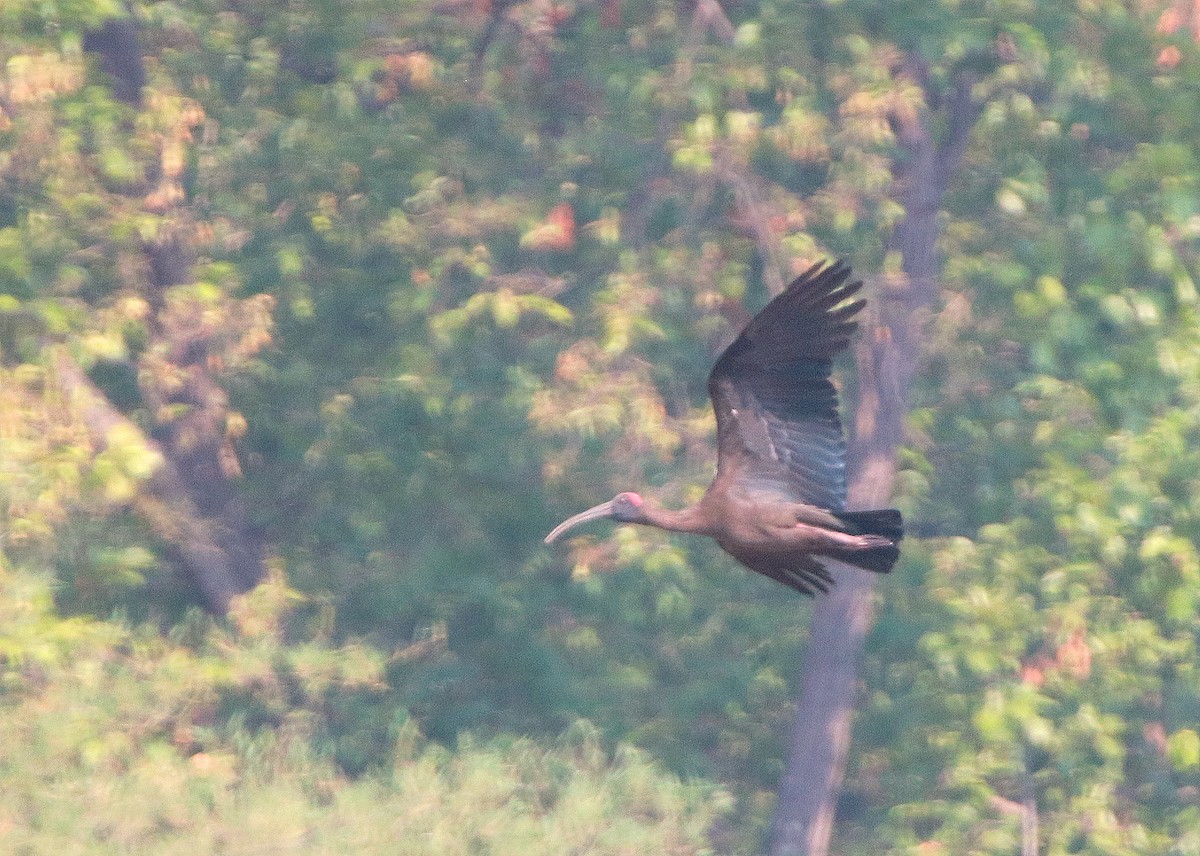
(830, 539)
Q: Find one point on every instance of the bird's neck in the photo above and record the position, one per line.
(683, 520)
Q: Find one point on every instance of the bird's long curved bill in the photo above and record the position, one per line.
(604, 509)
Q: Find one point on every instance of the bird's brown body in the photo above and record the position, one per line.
(776, 504)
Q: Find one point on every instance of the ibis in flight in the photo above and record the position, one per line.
(777, 504)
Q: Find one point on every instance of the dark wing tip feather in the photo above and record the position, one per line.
(834, 280)
(814, 312)
(844, 313)
(825, 291)
(800, 573)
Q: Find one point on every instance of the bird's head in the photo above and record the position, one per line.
(624, 507)
(627, 507)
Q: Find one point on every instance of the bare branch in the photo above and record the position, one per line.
(1029, 813)
(710, 13)
(707, 17)
(964, 110)
(1025, 810)
(115, 44)
(750, 201)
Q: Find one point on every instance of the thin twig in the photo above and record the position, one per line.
(707, 17)
(751, 202)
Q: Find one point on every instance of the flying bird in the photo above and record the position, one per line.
(777, 504)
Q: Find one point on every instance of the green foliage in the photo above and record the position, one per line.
(1054, 654)
(455, 288)
(118, 739)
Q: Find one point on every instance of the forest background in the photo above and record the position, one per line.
(344, 304)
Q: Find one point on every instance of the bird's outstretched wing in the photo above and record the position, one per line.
(778, 430)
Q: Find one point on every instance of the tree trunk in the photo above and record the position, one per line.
(888, 355)
(116, 46)
(191, 502)
(165, 503)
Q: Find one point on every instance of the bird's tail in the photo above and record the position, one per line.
(879, 557)
(884, 521)
(881, 530)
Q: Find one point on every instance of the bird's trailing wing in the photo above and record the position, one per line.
(778, 430)
(803, 573)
